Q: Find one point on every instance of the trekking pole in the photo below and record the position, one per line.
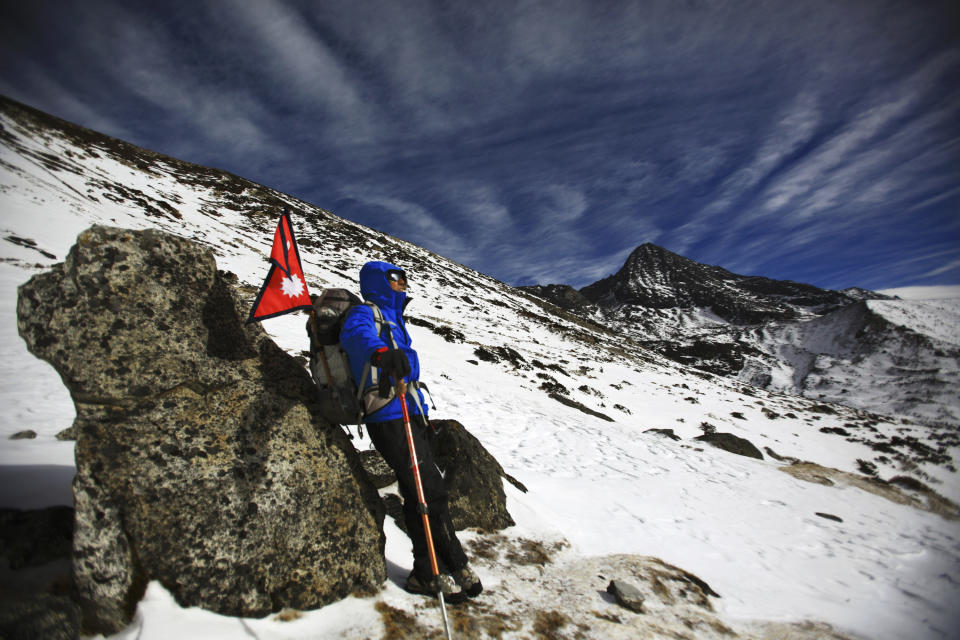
(422, 504)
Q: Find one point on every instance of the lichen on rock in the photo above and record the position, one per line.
(202, 458)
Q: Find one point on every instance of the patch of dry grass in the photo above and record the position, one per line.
(549, 623)
(401, 625)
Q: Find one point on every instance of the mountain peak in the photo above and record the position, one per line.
(655, 277)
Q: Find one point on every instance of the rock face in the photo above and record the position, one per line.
(473, 477)
(202, 459)
(656, 278)
(562, 295)
(732, 443)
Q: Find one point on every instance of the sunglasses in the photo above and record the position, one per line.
(396, 275)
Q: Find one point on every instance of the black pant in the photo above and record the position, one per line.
(390, 439)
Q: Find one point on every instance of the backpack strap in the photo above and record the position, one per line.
(368, 368)
(380, 321)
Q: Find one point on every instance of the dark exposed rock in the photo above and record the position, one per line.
(721, 358)
(29, 616)
(447, 333)
(654, 277)
(732, 443)
(31, 538)
(203, 461)
(829, 516)
(666, 433)
(394, 506)
(67, 434)
(28, 434)
(378, 471)
(473, 477)
(773, 454)
(580, 406)
(562, 295)
(499, 354)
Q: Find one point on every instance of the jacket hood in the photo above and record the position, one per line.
(375, 288)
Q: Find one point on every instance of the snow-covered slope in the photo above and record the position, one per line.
(601, 483)
(896, 357)
(860, 348)
(923, 293)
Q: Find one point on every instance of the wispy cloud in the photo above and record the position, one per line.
(544, 140)
(952, 266)
(946, 195)
(788, 134)
(38, 87)
(825, 177)
(149, 65)
(410, 220)
(302, 66)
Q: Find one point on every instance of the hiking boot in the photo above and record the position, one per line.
(468, 581)
(452, 592)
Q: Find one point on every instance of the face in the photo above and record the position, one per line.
(397, 280)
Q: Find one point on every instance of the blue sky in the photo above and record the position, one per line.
(541, 142)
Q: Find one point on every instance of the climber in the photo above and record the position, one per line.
(379, 361)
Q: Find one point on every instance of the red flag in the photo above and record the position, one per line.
(285, 289)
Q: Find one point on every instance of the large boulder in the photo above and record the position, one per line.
(202, 458)
(473, 477)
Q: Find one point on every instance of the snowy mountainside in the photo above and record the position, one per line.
(656, 278)
(938, 319)
(897, 357)
(854, 347)
(564, 403)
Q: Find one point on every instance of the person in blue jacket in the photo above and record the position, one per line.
(378, 360)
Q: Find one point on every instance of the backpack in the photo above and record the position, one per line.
(329, 365)
(341, 401)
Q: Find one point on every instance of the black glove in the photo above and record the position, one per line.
(392, 362)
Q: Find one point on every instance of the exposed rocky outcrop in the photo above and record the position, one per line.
(627, 595)
(657, 278)
(35, 585)
(732, 443)
(472, 476)
(202, 459)
(562, 295)
(900, 489)
(378, 471)
(852, 347)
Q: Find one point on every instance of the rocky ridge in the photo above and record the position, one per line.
(781, 335)
(656, 278)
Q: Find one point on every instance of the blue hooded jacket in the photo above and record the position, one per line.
(360, 339)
